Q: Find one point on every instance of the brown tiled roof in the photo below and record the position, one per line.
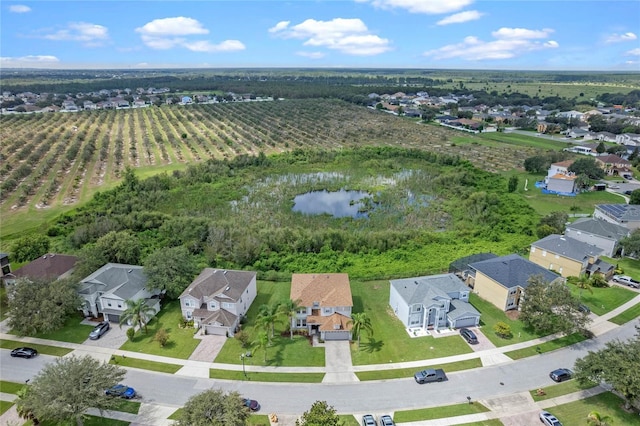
(330, 322)
(565, 163)
(47, 266)
(329, 290)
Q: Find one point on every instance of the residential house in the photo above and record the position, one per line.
(614, 164)
(461, 266)
(326, 303)
(570, 257)
(562, 183)
(433, 302)
(50, 266)
(604, 136)
(502, 281)
(627, 215)
(561, 167)
(632, 139)
(577, 132)
(106, 291)
(602, 234)
(186, 100)
(217, 299)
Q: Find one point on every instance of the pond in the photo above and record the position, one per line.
(341, 203)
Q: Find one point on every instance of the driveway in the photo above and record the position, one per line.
(208, 348)
(112, 339)
(483, 342)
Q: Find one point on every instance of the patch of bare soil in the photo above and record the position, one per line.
(513, 314)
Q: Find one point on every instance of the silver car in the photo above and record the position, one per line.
(99, 330)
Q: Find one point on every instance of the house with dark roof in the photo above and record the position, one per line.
(570, 257)
(503, 280)
(627, 215)
(217, 299)
(106, 291)
(50, 266)
(432, 302)
(325, 305)
(461, 267)
(600, 233)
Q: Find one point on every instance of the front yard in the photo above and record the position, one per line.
(603, 300)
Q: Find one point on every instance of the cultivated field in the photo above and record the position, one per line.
(52, 162)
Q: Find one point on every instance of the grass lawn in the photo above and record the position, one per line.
(181, 341)
(439, 412)
(88, 421)
(144, 364)
(492, 422)
(258, 420)
(10, 387)
(125, 406)
(4, 406)
(559, 389)
(603, 300)
(348, 420)
(72, 332)
(42, 349)
(630, 267)
(607, 404)
(401, 373)
(266, 377)
(176, 414)
(546, 347)
(4, 306)
(492, 315)
(626, 316)
(283, 351)
(390, 342)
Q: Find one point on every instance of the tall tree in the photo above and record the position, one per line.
(360, 322)
(587, 166)
(583, 282)
(289, 309)
(513, 184)
(171, 269)
(262, 342)
(137, 312)
(213, 407)
(41, 306)
(320, 414)
(631, 244)
(65, 388)
(29, 248)
(267, 317)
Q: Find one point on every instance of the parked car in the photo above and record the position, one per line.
(122, 391)
(99, 330)
(24, 352)
(251, 404)
(386, 420)
(626, 280)
(584, 308)
(368, 420)
(561, 374)
(469, 336)
(549, 419)
(430, 375)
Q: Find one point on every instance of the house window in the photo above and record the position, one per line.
(328, 310)
(189, 314)
(188, 303)
(108, 303)
(212, 305)
(551, 266)
(557, 256)
(119, 305)
(533, 249)
(227, 305)
(301, 322)
(544, 253)
(302, 311)
(560, 270)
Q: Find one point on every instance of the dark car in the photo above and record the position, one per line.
(549, 419)
(386, 421)
(122, 391)
(24, 352)
(469, 336)
(561, 374)
(368, 420)
(99, 330)
(584, 308)
(251, 404)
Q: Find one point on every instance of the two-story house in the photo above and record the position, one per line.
(217, 299)
(602, 234)
(325, 304)
(432, 302)
(627, 215)
(569, 257)
(106, 291)
(503, 280)
(50, 266)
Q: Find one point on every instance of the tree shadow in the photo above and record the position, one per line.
(372, 345)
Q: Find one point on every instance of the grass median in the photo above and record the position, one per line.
(564, 388)
(546, 347)
(144, 364)
(439, 412)
(626, 316)
(266, 377)
(42, 349)
(403, 373)
(606, 404)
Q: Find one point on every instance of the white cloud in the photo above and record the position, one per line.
(29, 61)
(19, 8)
(311, 55)
(617, 38)
(509, 43)
(279, 26)
(349, 36)
(430, 7)
(168, 33)
(88, 34)
(633, 52)
(458, 18)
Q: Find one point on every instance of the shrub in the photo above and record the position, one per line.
(243, 337)
(162, 337)
(130, 333)
(502, 329)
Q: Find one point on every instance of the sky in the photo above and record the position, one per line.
(448, 34)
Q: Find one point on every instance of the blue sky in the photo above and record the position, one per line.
(461, 34)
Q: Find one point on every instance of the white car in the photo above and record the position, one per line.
(626, 280)
(549, 419)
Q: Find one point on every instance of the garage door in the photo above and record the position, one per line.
(337, 335)
(113, 318)
(465, 322)
(215, 330)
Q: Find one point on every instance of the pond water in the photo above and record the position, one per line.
(341, 203)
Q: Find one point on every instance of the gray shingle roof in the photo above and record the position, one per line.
(426, 290)
(223, 284)
(567, 247)
(620, 212)
(599, 227)
(460, 308)
(512, 270)
(121, 280)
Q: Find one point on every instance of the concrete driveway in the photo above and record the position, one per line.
(337, 361)
(112, 339)
(208, 348)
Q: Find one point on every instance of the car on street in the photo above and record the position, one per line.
(614, 187)
(251, 404)
(368, 420)
(386, 420)
(626, 280)
(549, 419)
(24, 352)
(469, 336)
(122, 391)
(561, 374)
(99, 330)
(430, 375)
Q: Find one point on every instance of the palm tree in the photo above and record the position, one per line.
(596, 419)
(267, 316)
(583, 282)
(137, 313)
(262, 342)
(290, 309)
(25, 412)
(360, 322)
